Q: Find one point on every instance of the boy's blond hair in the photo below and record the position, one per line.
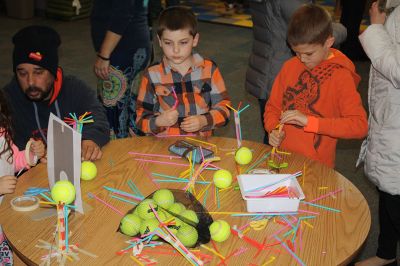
(177, 18)
(310, 24)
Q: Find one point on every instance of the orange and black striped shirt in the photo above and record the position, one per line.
(201, 91)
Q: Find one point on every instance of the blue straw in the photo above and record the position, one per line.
(244, 108)
(66, 226)
(276, 182)
(46, 197)
(290, 251)
(320, 206)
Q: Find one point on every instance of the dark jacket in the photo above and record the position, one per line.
(30, 119)
(270, 50)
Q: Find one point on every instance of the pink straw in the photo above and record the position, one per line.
(106, 203)
(154, 155)
(327, 195)
(176, 135)
(161, 162)
(149, 175)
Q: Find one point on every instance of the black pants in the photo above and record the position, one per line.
(389, 225)
(262, 103)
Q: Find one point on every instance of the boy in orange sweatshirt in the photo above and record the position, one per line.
(315, 94)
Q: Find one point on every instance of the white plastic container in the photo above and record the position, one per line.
(248, 184)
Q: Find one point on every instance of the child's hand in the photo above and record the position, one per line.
(38, 148)
(377, 17)
(167, 118)
(193, 123)
(8, 183)
(294, 117)
(276, 137)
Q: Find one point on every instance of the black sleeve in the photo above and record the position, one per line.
(121, 13)
(85, 100)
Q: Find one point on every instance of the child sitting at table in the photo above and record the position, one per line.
(185, 93)
(315, 94)
(11, 161)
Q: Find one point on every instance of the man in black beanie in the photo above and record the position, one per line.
(39, 87)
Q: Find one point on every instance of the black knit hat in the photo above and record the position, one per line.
(36, 45)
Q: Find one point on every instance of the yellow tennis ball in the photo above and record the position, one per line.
(220, 231)
(164, 198)
(130, 224)
(63, 191)
(176, 208)
(243, 156)
(190, 216)
(144, 211)
(149, 226)
(222, 178)
(88, 170)
(188, 235)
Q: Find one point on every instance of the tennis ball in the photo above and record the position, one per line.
(190, 215)
(164, 198)
(187, 235)
(149, 226)
(220, 231)
(222, 178)
(163, 215)
(176, 208)
(63, 191)
(144, 210)
(130, 225)
(179, 223)
(88, 170)
(243, 156)
(173, 228)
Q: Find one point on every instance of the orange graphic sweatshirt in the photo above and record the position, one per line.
(327, 95)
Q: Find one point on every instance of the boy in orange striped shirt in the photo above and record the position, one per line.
(185, 93)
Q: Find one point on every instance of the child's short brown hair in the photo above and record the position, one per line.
(177, 18)
(310, 24)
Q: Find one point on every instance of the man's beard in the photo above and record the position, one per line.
(39, 94)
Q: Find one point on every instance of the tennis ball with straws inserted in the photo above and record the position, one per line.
(149, 226)
(190, 217)
(187, 235)
(164, 198)
(88, 170)
(63, 191)
(220, 230)
(222, 178)
(243, 156)
(144, 211)
(130, 224)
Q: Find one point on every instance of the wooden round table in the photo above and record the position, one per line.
(330, 239)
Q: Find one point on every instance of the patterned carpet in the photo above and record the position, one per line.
(214, 11)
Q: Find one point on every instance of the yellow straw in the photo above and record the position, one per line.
(136, 260)
(230, 107)
(208, 143)
(308, 224)
(246, 230)
(269, 261)
(225, 188)
(213, 251)
(201, 194)
(304, 175)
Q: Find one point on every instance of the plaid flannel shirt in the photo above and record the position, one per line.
(201, 91)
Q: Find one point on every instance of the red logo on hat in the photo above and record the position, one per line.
(35, 56)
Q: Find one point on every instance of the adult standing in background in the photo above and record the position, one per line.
(270, 49)
(121, 38)
(351, 17)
